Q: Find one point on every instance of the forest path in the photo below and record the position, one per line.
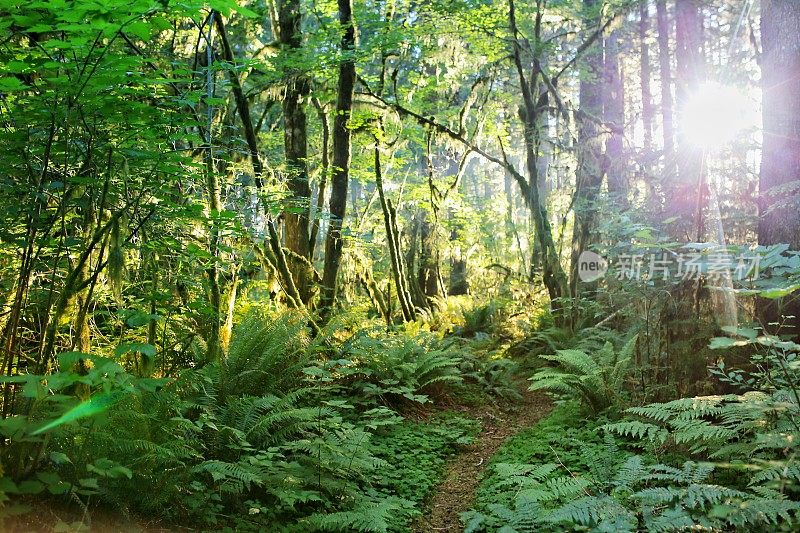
(456, 492)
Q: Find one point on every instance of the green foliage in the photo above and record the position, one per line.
(415, 453)
(552, 338)
(133, 219)
(527, 480)
(722, 462)
(275, 434)
(267, 353)
(494, 375)
(367, 516)
(559, 488)
(595, 379)
(463, 316)
(397, 368)
(479, 320)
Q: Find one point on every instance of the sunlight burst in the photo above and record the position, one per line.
(715, 115)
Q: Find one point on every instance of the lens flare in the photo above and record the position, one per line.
(715, 114)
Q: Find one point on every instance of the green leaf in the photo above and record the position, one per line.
(92, 406)
(779, 292)
(48, 478)
(140, 29)
(139, 318)
(8, 486)
(225, 6)
(726, 342)
(89, 483)
(748, 333)
(107, 468)
(30, 486)
(8, 85)
(140, 347)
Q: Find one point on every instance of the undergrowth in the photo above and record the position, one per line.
(289, 432)
(717, 463)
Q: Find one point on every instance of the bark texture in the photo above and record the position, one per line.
(295, 147)
(340, 175)
(780, 160)
(665, 73)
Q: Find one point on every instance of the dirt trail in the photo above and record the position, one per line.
(456, 493)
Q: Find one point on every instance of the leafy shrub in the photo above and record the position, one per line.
(479, 320)
(639, 497)
(532, 459)
(724, 462)
(463, 316)
(557, 477)
(446, 314)
(267, 353)
(595, 379)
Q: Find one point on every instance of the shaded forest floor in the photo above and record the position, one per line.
(456, 490)
(48, 515)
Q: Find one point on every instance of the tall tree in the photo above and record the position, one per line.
(554, 277)
(644, 67)
(665, 74)
(214, 205)
(340, 175)
(296, 90)
(613, 94)
(589, 172)
(780, 161)
(687, 191)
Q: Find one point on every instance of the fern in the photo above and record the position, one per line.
(266, 354)
(366, 516)
(638, 430)
(399, 368)
(594, 379)
(603, 512)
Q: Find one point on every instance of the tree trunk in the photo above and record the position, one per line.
(341, 157)
(295, 147)
(214, 207)
(392, 238)
(687, 196)
(273, 252)
(458, 268)
(614, 114)
(665, 72)
(644, 64)
(589, 173)
(428, 274)
(323, 179)
(552, 273)
(780, 159)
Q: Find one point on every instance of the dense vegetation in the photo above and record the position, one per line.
(279, 265)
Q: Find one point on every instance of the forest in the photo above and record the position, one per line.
(399, 266)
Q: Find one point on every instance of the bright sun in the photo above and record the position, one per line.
(715, 115)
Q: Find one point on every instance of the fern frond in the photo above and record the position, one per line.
(637, 430)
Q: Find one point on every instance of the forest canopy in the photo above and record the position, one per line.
(388, 265)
